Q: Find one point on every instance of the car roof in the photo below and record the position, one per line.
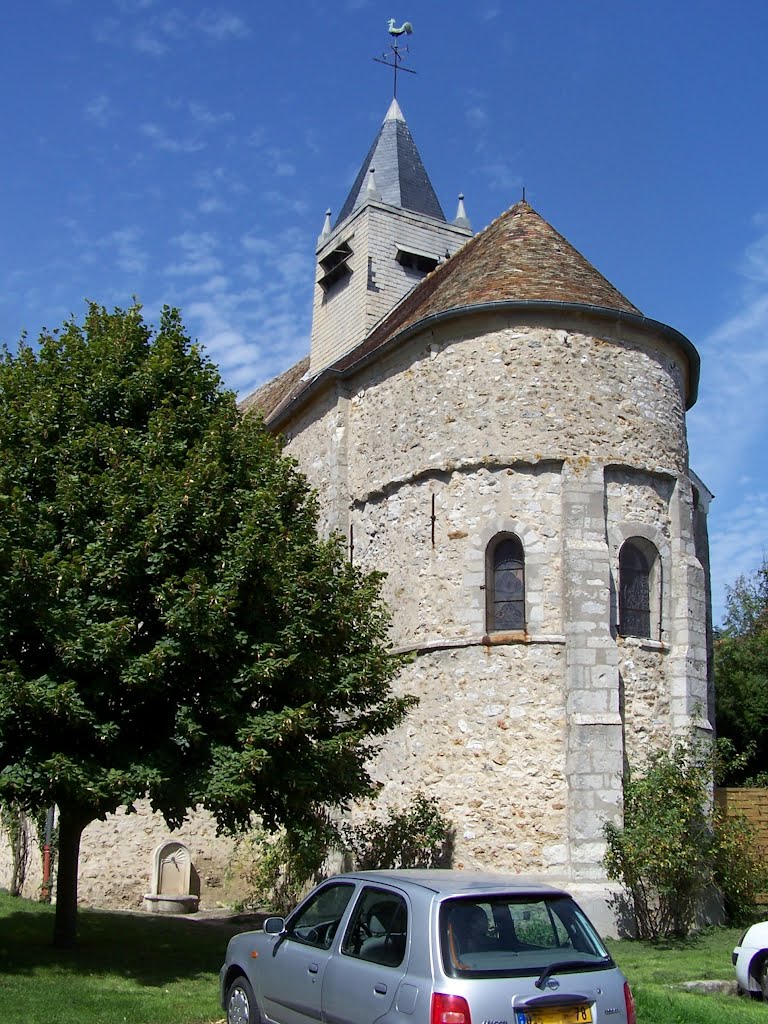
(445, 882)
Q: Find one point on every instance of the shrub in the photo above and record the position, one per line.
(674, 846)
(661, 855)
(15, 823)
(737, 867)
(278, 868)
(416, 837)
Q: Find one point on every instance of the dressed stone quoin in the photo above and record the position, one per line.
(491, 423)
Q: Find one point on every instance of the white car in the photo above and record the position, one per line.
(750, 958)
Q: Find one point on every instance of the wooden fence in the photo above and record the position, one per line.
(751, 804)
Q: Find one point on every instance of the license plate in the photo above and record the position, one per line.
(581, 1014)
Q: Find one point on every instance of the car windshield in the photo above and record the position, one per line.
(516, 935)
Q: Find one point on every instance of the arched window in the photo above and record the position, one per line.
(639, 591)
(505, 584)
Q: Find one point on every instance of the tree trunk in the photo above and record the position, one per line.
(71, 827)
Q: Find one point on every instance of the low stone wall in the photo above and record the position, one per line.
(116, 860)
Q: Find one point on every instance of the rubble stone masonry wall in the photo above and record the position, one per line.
(487, 739)
(487, 392)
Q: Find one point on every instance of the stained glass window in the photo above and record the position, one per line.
(505, 585)
(634, 591)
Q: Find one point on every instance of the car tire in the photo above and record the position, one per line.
(763, 978)
(241, 1003)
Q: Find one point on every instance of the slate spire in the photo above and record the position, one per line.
(401, 179)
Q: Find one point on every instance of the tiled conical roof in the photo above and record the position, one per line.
(401, 179)
(271, 394)
(519, 257)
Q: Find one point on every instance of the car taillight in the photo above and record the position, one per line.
(450, 1009)
(629, 1002)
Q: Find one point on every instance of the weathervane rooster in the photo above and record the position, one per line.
(405, 29)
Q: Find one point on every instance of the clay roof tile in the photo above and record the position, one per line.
(270, 396)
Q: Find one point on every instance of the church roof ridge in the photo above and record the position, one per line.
(401, 177)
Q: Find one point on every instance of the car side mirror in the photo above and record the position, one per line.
(274, 925)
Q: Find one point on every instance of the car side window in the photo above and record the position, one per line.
(378, 929)
(317, 921)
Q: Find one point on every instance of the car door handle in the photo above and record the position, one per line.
(380, 988)
(313, 968)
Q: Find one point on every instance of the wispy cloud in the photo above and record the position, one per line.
(220, 179)
(153, 31)
(728, 426)
(222, 25)
(501, 176)
(162, 140)
(213, 204)
(280, 165)
(208, 118)
(221, 190)
(738, 543)
(99, 110)
(197, 255)
(732, 413)
(254, 318)
(131, 6)
(285, 201)
(497, 169)
(476, 116)
(128, 254)
(146, 41)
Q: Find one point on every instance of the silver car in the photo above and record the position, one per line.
(426, 947)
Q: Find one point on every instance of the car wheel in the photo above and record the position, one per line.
(764, 979)
(241, 1003)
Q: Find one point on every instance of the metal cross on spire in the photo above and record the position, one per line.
(398, 52)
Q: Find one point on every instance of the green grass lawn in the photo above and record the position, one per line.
(127, 968)
(134, 969)
(655, 969)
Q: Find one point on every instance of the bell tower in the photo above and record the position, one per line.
(391, 232)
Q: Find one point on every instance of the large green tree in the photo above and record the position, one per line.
(170, 623)
(741, 677)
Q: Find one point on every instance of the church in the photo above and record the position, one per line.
(491, 423)
(488, 421)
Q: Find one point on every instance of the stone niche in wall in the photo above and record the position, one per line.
(175, 887)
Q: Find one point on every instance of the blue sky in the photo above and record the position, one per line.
(186, 155)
